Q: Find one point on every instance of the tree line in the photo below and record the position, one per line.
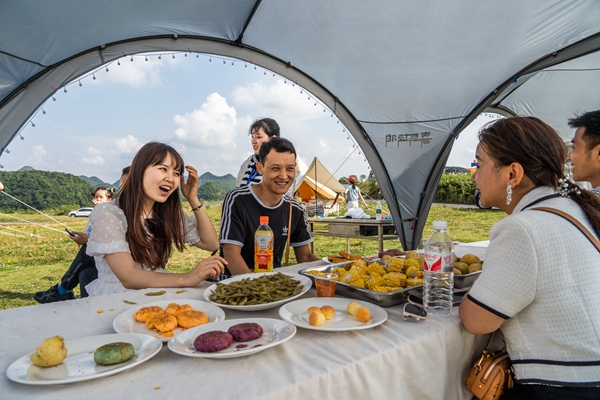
(45, 190)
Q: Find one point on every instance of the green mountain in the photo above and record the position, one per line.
(96, 182)
(43, 190)
(227, 182)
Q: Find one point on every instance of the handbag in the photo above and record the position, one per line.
(491, 374)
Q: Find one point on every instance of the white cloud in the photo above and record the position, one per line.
(93, 151)
(39, 151)
(137, 73)
(128, 145)
(98, 160)
(214, 124)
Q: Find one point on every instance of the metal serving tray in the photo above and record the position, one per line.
(461, 282)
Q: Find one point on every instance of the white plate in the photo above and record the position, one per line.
(305, 281)
(276, 332)
(126, 322)
(326, 259)
(79, 364)
(295, 313)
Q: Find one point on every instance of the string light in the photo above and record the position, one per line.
(146, 58)
(32, 125)
(94, 75)
(43, 111)
(173, 56)
(197, 55)
(7, 150)
(209, 59)
(107, 68)
(223, 61)
(1, 166)
(80, 83)
(131, 59)
(53, 98)
(21, 136)
(159, 56)
(232, 62)
(65, 89)
(119, 62)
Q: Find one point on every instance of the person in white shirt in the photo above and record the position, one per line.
(540, 279)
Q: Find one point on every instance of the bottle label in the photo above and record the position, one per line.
(263, 251)
(436, 261)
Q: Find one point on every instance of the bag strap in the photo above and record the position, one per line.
(570, 218)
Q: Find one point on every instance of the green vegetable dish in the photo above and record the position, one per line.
(253, 291)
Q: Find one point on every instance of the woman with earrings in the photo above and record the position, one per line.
(540, 279)
(131, 241)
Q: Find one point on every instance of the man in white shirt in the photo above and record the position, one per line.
(585, 155)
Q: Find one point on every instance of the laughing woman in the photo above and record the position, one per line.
(541, 275)
(131, 240)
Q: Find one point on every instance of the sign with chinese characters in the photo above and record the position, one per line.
(422, 138)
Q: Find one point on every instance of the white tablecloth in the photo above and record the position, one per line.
(396, 360)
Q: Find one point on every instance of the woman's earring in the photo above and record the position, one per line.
(508, 193)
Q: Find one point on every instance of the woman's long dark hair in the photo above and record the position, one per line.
(542, 153)
(151, 241)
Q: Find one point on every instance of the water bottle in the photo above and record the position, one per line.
(378, 210)
(439, 272)
(263, 247)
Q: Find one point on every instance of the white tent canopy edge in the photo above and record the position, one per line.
(404, 77)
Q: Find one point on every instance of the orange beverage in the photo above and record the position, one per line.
(325, 286)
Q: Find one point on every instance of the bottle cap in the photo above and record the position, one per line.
(264, 219)
(440, 225)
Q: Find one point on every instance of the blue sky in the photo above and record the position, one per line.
(202, 108)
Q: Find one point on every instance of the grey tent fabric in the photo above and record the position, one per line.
(404, 76)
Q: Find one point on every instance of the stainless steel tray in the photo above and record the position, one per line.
(461, 284)
(353, 292)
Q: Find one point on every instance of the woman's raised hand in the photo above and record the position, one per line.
(189, 189)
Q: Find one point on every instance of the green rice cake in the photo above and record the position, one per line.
(113, 353)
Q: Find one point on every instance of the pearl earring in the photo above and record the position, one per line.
(509, 192)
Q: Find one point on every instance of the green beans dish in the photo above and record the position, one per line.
(254, 291)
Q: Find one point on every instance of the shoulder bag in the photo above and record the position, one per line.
(491, 374)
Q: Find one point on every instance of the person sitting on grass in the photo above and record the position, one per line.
(83, 269)
(132, 238)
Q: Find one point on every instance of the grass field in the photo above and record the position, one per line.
(35, 251)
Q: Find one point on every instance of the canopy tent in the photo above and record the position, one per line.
(405, 77)
(316, 179)
(317, 183)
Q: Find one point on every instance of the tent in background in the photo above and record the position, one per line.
(317, 186)
(405, 77)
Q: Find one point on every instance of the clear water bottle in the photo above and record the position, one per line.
(263, 247)
(378, 210)
(439, 272)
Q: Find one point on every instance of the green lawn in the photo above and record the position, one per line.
(34, 257)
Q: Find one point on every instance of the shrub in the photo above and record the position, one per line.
(455, 189)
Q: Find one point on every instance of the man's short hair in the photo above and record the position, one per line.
(591, 122)
(280, 145)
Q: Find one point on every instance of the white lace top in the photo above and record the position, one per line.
(109, 226)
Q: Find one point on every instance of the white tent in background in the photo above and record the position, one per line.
(317, 185)
(405, 77)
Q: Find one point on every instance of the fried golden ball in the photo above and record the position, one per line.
(474, 267)
(470, 259)
(51, 352)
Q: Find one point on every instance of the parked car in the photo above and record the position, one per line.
(82, 212)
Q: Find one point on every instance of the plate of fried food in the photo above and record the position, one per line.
(343, 256)
(57, 361)
(257, 291)
(166, 318)
(333, 314)
(232, 338)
